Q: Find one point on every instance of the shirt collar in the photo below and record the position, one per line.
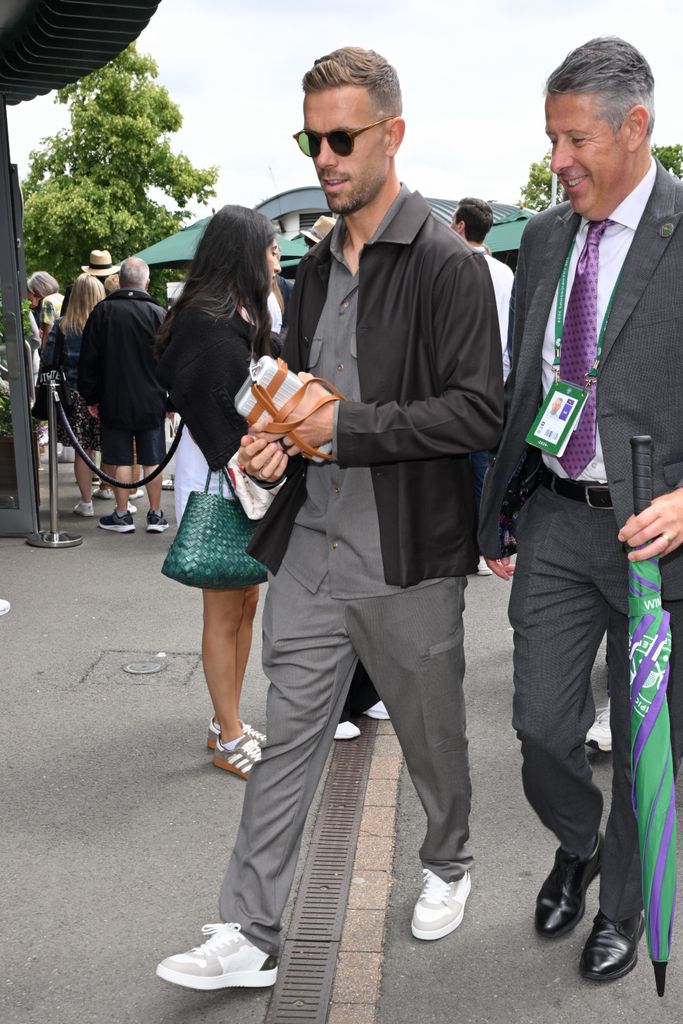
(339, 229)
(631, 209)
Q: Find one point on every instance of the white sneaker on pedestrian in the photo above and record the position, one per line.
(103, 493)
(84, 508)
(226, 960)
(482, 568)
(441, 906)
(4, 606)
(346, 731)
(377, 711)
(139, 493)
(599, 736)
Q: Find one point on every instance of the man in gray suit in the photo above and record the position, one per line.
(621, 230)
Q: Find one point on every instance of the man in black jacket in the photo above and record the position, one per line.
(368, 552)
(116, 377)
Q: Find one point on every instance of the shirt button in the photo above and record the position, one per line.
(345, 304)
(340, 367)
(334, 545)
(337, 490)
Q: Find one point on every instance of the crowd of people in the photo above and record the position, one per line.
(441, 360)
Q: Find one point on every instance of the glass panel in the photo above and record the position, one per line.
(18, 492)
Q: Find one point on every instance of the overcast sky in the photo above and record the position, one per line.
(472, 77)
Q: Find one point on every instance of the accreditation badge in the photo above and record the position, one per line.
(557, 418)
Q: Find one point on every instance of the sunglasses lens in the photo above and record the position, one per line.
(340, 142)
(309, 144)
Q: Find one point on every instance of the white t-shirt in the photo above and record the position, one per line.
(502, 278)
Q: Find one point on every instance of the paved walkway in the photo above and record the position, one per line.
(116, 828)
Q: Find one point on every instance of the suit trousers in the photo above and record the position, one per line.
(570, 585)
(411, 644)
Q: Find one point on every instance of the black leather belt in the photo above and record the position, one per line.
(594, 495)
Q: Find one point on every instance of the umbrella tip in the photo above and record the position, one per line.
(660, 975)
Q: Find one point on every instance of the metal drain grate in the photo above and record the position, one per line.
(309, 957)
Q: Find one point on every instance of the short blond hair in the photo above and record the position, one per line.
(352, 65)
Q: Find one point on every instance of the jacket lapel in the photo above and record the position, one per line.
(553, 256)
(554, 250)
(652, 237)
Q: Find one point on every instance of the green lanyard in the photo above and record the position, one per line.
(592, 373)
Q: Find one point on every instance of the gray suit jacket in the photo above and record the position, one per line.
(640, 381)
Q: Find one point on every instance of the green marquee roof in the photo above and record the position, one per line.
(177, 250)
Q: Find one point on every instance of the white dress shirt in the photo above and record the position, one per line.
(502, 279)
(614, 248)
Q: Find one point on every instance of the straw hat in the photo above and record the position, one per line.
(100, 264)
(322, 227)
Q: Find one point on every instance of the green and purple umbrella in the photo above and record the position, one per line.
(651, 758)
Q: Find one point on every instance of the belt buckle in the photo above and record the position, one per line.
(602, 488)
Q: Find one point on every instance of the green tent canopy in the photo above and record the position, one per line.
(177, 250)
(506, 234)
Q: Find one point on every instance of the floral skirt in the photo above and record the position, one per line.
(85, 427)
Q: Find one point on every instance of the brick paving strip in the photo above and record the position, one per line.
(359, 964)
(330, 968)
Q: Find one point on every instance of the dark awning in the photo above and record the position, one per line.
(46, 44)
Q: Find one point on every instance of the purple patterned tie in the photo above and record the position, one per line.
(579, 345)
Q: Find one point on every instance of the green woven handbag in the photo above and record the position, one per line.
(209, 549)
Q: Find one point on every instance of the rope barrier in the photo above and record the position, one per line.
(96, 469)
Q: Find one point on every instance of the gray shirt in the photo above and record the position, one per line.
(336, 532)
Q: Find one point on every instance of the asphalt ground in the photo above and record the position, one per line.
(116, 829)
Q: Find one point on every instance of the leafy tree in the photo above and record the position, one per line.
(537, 193)
(670, 157)
(91, 186)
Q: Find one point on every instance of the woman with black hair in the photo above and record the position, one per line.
(218, 325)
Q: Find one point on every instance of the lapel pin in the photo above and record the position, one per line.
(665, 230)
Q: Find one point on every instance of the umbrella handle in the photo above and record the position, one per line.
(641, 455)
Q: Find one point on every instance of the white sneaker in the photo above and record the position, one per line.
(226, 960)
(482, 568)
(67, 454)
(441, 906)
(377, 711)
(346, 731)
(103, 493)
(132, 508)
(4, 606)
(254, 734)
(84, 508)
(139, 493)
(599, 736)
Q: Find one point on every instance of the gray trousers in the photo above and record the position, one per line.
(570, 585)
(411, 644)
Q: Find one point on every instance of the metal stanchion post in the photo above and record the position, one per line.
(52, 538)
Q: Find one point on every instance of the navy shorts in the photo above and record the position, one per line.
(117, 446)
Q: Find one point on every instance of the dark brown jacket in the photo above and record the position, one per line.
(429, 363)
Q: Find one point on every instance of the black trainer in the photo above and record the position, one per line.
(118, 523)
(156, 523)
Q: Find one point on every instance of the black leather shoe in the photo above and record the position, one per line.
(612, 948)
(562, 900)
